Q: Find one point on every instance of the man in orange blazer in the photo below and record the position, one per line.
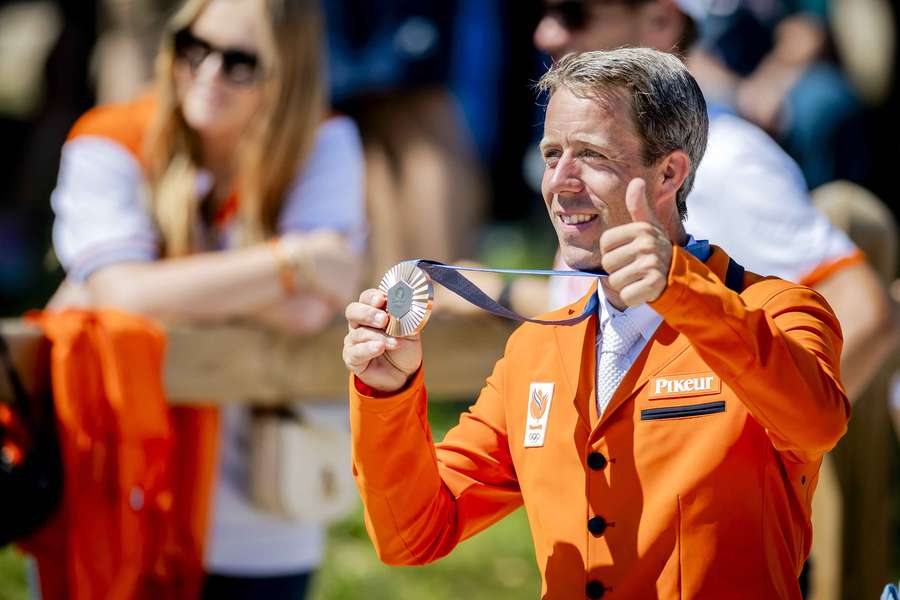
(666, 447)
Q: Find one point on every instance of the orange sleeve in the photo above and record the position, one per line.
(125, 123)
(781, 358)
(422, 499)
(829, 268)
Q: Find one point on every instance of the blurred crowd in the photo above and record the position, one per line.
(267, 160)
(443, 101)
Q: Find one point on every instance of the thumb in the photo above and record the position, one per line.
(637, 203)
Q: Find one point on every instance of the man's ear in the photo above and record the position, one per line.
(674, 168)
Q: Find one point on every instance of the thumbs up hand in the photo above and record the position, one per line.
(637, 255)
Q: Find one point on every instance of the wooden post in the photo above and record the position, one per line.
(863, 458)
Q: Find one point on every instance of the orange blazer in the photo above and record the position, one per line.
(137, 474)
(696, 482)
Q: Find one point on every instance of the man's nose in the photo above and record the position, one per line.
(551, 36)
(565, 177)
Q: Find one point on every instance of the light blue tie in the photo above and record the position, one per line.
(618, 337)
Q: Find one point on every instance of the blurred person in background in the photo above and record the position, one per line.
(391, 70)
(748, 193)
(773, 62)
(44, 88)
(229, 192)
(393, 67)
(127, 45)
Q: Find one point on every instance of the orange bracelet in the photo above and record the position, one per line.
(287, 275)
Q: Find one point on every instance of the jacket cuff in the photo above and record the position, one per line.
(677, 282)
(367, 399)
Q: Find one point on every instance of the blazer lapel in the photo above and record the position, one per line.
(578, 355)
(663, 347)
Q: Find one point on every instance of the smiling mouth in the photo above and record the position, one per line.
(576, 219)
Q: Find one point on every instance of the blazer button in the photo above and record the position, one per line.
(597, 525)
(595, 589)
(596, 461)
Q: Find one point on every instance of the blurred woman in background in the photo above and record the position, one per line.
(228, 192)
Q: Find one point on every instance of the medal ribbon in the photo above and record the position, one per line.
(449, 276)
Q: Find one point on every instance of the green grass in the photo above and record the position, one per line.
(12, 575)
(497, 564)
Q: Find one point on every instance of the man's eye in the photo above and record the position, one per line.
(591, 154)
(551, 156)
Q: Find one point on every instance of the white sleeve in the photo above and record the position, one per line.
(328, 193)
(750, 198)
(100, 216)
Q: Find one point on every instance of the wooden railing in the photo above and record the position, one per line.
(246, 363)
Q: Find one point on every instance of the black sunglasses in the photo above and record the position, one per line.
(238, 66)
(572, 14)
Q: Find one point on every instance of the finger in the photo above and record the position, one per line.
(625, 276)
(365, 315)
(618, 258)
(373, 297)
(358, 356)
(362, 335)
(645, 289)
(622, 235)
(637, 202)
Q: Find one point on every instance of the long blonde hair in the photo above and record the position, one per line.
(279, 140)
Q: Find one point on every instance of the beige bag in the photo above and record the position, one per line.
(298, 471)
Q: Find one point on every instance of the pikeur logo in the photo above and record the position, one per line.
(695, 384)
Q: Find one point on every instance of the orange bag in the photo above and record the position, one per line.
(137, 474)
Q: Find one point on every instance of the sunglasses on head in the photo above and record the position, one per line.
(238, 66)
(572, 14)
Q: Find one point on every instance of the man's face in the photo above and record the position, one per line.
(591, 150)
(580, 26)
